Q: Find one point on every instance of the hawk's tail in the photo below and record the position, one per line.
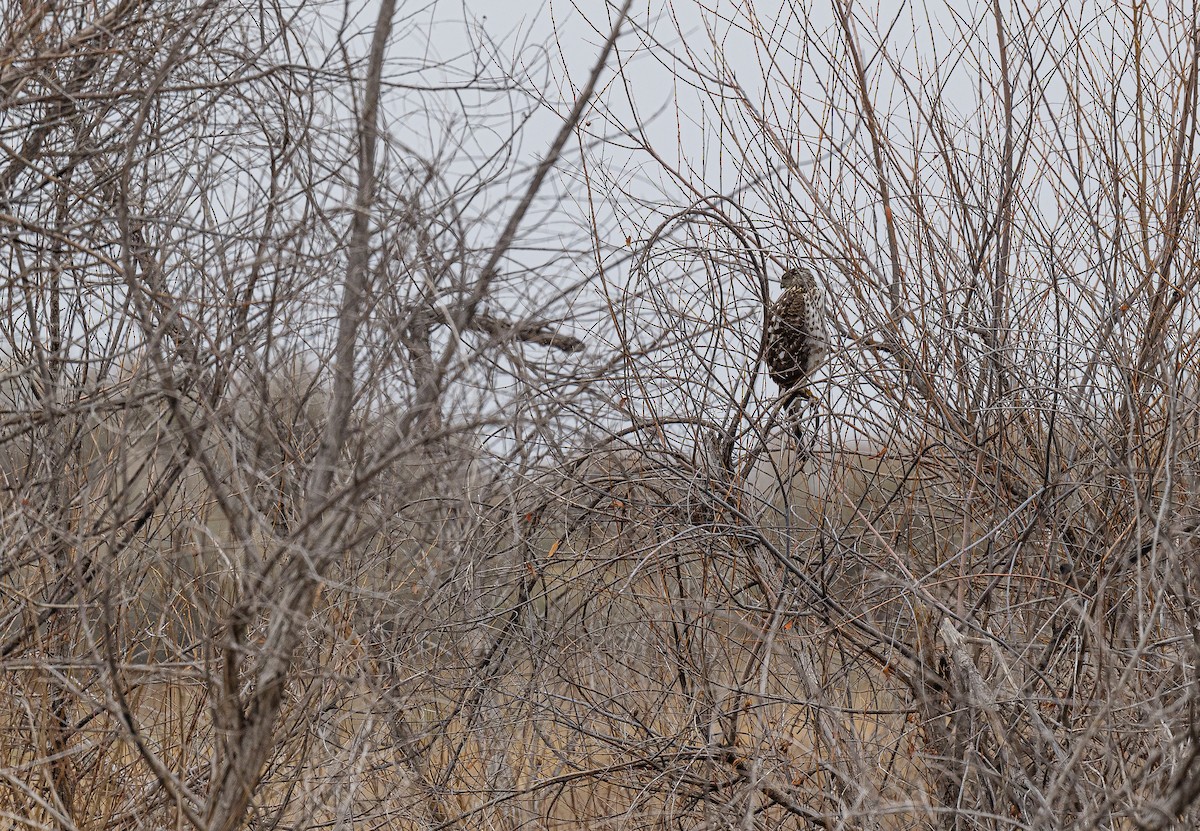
(796, 403)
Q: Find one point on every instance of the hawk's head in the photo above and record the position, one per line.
(798, 276)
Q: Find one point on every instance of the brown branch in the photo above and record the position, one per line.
(253, 736)
(508, 235)
(530, 331)
(895, 290)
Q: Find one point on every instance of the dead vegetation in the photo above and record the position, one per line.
(332, 495)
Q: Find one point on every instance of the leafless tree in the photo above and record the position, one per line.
(258, 348)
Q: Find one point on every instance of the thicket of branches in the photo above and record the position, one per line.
(359, 471)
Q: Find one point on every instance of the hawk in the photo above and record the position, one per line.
(796, 337)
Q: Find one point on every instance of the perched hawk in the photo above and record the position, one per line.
(797, 340)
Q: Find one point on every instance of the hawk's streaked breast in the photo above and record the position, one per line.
(796, 337)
